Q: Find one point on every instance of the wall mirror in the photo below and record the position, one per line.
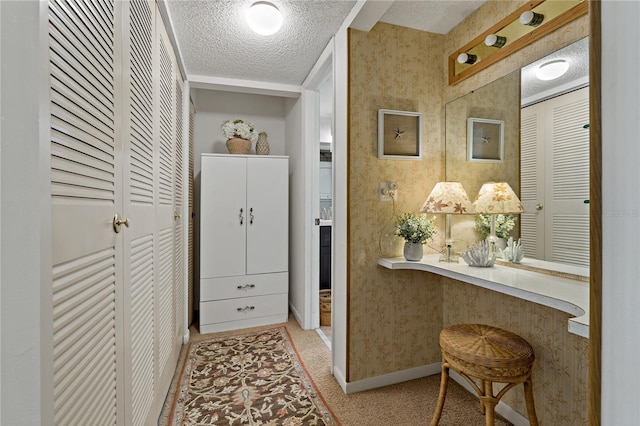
(546, 156)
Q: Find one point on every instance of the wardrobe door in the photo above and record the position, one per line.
(140, 184)
(268, 206)
(86, 162)
(223, 216)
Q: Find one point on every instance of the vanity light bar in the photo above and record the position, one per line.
(523, 26)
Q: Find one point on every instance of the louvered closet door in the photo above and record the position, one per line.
(140, 201)
(178, 202)
(166, 134)
(192, 113)
(85, 179)
(567, 214)
(532, 161)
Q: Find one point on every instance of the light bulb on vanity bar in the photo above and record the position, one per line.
(467, 58)
(494, 40)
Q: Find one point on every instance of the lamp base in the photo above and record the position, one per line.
(448, 255)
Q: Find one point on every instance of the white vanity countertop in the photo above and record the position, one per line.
(564, 294)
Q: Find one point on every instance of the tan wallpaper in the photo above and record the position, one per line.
(395, 316)
(390, 70)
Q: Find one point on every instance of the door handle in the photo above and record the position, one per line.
(241, 216)
(251, 216)
(539, 206)
(176, 216)
(118, 222)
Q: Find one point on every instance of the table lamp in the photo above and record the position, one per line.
(448, 198)
(496, 198)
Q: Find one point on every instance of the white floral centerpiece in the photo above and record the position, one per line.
(239, 129)
(504, 224)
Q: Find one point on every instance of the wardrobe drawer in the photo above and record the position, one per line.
(243, 286)
(243, 308)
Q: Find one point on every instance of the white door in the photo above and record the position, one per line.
(178, 220)
(268, 220)
(555, 179)
(140, 204)
(567, 192)
(222, 230)
(86, 182)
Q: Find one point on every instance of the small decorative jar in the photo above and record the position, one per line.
(262, 146)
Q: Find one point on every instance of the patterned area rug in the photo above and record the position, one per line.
(249, 379)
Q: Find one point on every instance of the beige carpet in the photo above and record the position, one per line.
(409, 403)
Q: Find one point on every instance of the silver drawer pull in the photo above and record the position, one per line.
(246, 287)
(246, 309)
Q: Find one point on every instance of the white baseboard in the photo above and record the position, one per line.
(297, 316)
(392, 378)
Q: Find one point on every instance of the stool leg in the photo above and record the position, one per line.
(528, 396)
(444, 379)
(482, 387)
(489, 403)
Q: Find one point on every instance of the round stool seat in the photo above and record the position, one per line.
(484, 355)
(487, 352)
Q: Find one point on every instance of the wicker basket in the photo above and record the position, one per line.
(325, 307)
(238, 146)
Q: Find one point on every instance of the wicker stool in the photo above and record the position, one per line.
(487, 354)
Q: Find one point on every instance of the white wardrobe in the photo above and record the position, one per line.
(116, 138)
(243, 241)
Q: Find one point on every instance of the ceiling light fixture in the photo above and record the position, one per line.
(552, 69)
(264, 18)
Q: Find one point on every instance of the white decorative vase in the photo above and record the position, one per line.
(262, 146)
(413, 251)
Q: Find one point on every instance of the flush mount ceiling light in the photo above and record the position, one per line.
(264, 18)
(552, 69)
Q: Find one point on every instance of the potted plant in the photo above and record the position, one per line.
(504, 225)
(416, 230)
(240, 135)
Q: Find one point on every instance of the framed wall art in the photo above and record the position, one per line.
(485, 140)
(399, 134)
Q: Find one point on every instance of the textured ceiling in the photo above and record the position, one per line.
(577, 54)
(215, 40)
(435, 16)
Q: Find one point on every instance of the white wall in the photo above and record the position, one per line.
(25, 246)
(621, 213)
(267, 113)
(298, 225)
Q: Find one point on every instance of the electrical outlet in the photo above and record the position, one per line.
(388, 191)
